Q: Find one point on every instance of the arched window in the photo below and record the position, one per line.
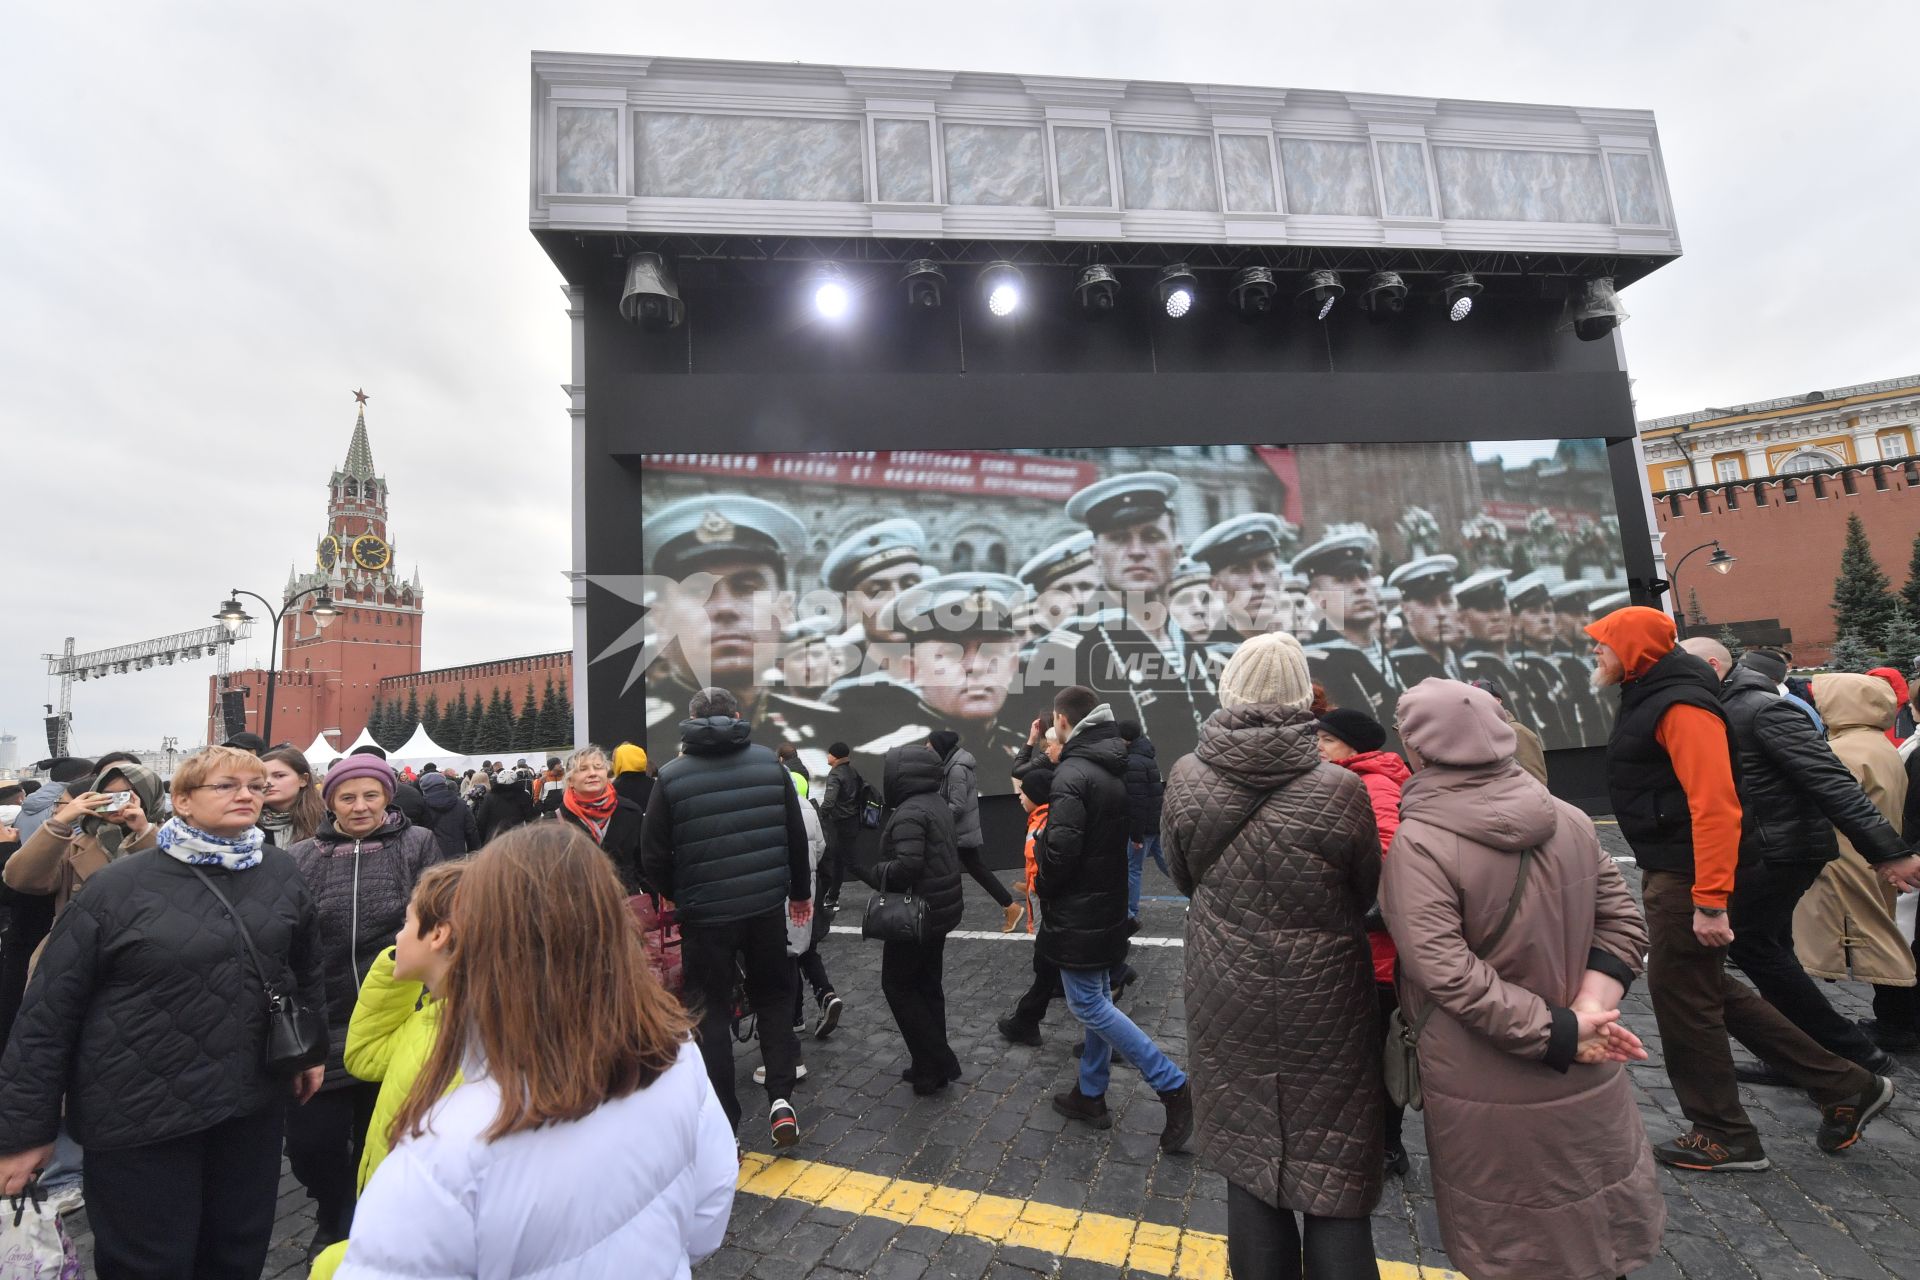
(997, 558)
(962, 557)
(1809, 460)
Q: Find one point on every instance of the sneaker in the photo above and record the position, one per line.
(830, 1007)
(784, 1122)
(1179, 1125)
(1398, 1165)
(1014, 912)
(1697, 1151)
(1075, 1105)
(66, 1200)
(1840, 1124)
(760, 1073)
(1014, 1031)
(1128, 976)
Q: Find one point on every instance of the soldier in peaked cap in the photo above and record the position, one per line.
(1190, 598)
(1432, 616)
(1484, 656)
(1243, 552)
(1529, 654)
(1348, 655)
(1130, 654)
(719, 621)
(965, 655)
(873, 565)
(1571, 615)
(813, 654)
(1064, 582)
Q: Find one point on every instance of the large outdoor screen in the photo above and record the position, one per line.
(879, 598)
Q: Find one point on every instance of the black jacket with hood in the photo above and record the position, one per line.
(506, 806)
(1793, 790)
(1082, 862)
(917, 850)
(452, 821)
(1145, 788)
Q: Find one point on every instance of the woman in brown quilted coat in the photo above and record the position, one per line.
(1277, 851)
(1540, 1160)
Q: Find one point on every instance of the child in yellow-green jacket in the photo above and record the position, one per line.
(397, 1017)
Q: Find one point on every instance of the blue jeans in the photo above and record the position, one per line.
(1090, 999)
(64, 1165)
(1137, 851)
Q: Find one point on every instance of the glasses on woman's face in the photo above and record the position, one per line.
(229, 787)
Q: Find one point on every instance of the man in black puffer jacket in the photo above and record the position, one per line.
(918, 855)
(1082, 883)
(1793, 793)
(723, 840)
(452, 821)
(1145, 788)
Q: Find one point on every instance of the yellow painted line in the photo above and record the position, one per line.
(1096, 1237)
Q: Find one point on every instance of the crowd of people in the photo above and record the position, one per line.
(443, 997)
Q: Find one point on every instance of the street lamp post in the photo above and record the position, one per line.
(233, 616)
(1720, 562)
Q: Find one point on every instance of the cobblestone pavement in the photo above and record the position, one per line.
(959, 1185)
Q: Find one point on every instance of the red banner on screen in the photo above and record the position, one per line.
(1285, 466)
(982, 472)
(1514, 514)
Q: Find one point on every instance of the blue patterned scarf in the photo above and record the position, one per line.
(199, 848)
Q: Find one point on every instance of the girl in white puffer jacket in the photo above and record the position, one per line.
(586, 1141)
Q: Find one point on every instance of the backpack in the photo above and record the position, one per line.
(872, 805)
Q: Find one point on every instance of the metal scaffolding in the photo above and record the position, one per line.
(143, 655)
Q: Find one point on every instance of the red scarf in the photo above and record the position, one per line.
(594, 815)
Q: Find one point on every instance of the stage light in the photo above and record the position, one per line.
(1177, 288)
(1001, 284)
(1384, 297)
(1098, 290)
(1598, 313)
(1318, 292)
(1251, 292)
(926, 284)
(831, 297)
(651, 298)
(1461, 290)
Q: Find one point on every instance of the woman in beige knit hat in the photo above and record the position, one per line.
(1278, 852)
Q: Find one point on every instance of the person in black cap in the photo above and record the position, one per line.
(247, 742)
(1348, 655)
(1529, 654)
(1489, 626)
(1432, 618)
(727, 554)
(1131, 654)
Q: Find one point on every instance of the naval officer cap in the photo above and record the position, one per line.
(1425, 578)
(1601, 606)
(1572, 596)
(1340, 554)
(1189, 573)
(1486, 589)
(1118, 501)
(885, 545)
(1068, 556)
(689, 534)
(811, 630)
(1529, 591)
(1240, 538)
(966, 605)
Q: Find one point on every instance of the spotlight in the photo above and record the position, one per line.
(1598, 313)
(1098, 290)
(1000, 284)
(1251, 292)
(1384, 297)
(1177, 288)
(925, 283)
(1318, 292)
(651, 298)
(1461, 290)
(831, 297)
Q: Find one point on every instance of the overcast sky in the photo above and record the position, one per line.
(218, 219)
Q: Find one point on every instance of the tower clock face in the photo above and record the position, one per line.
(329, 552)
(369, 552)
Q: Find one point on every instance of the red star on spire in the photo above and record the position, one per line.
(361, 396)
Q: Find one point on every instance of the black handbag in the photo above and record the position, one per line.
(895, 917)
(296, 1039)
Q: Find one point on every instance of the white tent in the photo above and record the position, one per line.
(364, 740)
(422, 749)
(321, 753)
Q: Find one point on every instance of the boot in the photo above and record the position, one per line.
(1179, 1126)
(1014, 1031)
(1075, 1105)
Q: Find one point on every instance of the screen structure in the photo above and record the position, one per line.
(877, 599)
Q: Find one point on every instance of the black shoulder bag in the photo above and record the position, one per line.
(294, 1040)
(894, 916)
(1400, 1061)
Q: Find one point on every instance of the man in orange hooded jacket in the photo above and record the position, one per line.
(1670, 776)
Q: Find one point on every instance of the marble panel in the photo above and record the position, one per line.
(1633, 190)
(1403, 180)
(748, 157)
(1247, 165)
(1325, 176)
(587, 146)
(1168, 171)
(995, 164)
(1520, 186)
(903, 160)
(1080, 161)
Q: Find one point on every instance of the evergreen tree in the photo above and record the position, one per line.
(377, 721)
(1732, 642)
(410, 718)
(1695, 618)
(566, 712)
(430, 716)
(1862, 596)
(453, 726)
(497, 728)
(1850, 653)
(1910, 594)
(553, 730)
(1900, 639)
(526, 730)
